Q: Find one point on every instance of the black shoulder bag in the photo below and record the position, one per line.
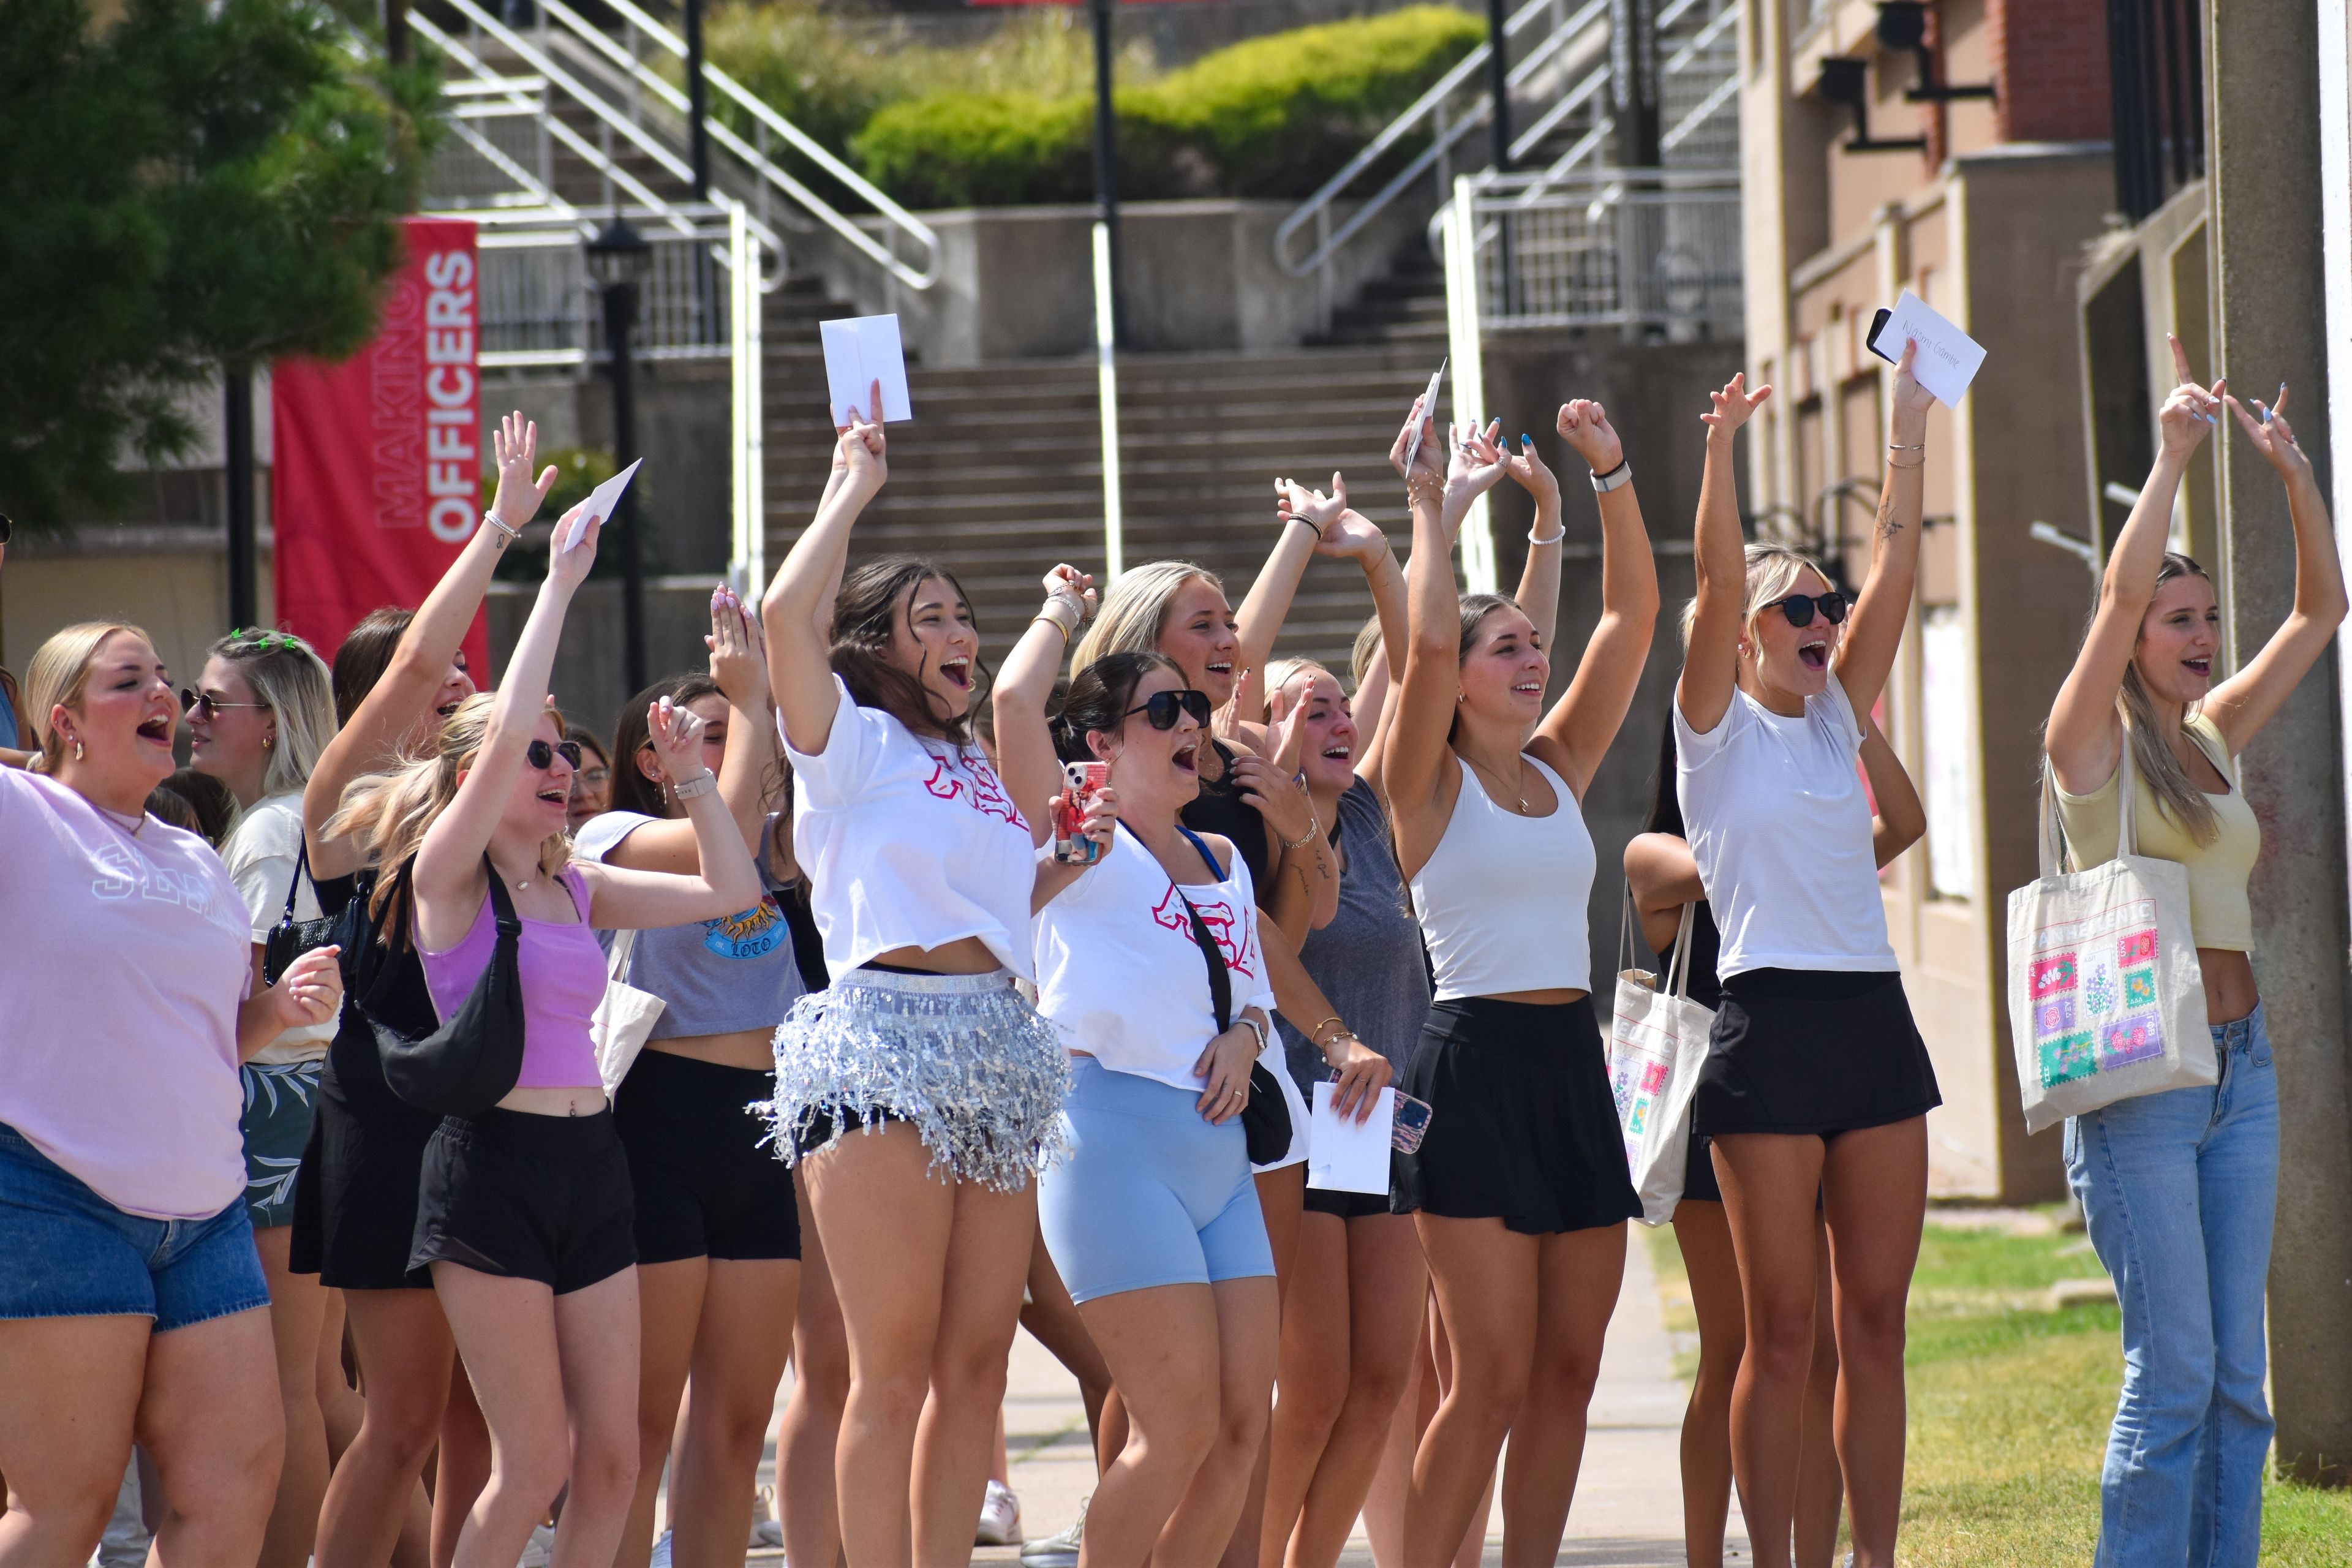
(471, 1062)
(1266, 1119)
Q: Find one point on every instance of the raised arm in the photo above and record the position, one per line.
(739, 663)
(1586, 719)
(1719, 555)
(723, 879)
(1413, 754)
(797, 611)
(2085, 739)
(2242, 704)
(1026, 758)
(1874, 633)
(1267, 603)
(1901, 821)
(421, 663)
(1539, 592)
(449, 861)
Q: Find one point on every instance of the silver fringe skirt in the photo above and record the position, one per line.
(962, 1059)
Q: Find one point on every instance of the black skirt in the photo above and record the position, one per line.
(1522, 1127)
(1809, 1051)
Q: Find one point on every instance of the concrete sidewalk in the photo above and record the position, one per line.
(1628, 1510)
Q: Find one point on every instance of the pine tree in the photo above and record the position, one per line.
(182, 184)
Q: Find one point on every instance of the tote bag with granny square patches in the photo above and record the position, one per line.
(2106, 998)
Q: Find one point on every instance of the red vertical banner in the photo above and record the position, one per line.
(376, 483)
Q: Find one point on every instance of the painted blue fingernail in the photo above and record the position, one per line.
(1526, 439)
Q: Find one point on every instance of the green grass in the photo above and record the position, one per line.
(2009, 1405)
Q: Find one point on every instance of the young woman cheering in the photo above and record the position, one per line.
(1817, 1084)
(2179, 1187)
(918, 1094)
(1521, 1184)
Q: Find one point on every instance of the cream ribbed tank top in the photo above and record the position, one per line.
(1502, 898)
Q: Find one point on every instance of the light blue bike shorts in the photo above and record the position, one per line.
(1149, 1194)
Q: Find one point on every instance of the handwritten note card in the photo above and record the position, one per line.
(601, 503)
(858, 352)
(1948, 358)
(1343, 1156)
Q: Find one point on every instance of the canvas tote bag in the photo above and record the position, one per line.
(624, 1018)
(1657, 1044)
(2106, 999)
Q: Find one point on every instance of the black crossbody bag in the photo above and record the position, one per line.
(470, 1062)
(1266, 1119)
(289, 939)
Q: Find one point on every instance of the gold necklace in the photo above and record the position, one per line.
(1525, 810)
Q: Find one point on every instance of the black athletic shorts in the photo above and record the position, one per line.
(527, 1196)
(705, 1187)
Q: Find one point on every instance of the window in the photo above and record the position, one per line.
(1947, 788)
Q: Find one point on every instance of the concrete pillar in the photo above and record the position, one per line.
(2270, 311)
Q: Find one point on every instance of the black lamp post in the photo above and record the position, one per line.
(1106, 151)
(237, 462)
(618, 259)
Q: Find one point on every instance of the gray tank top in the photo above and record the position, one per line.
(718, 976)
(1368, 960)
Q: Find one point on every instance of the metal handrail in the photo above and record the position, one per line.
(1423, 108)
(921, 233)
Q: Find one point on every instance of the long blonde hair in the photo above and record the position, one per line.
(58, 675)
(390, 811)
(295, 684)
(1135, 612)
(2177, 794)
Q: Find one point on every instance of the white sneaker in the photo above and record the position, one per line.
(1000, 1517)
(541, 1549)
(660, 1557)
(1059, 1549)
(766, 1533)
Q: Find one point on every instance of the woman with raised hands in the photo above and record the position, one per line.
(2179, 1187)
(1519, 1186)
(1150, 964)
(131, 1299)
(1663, 881)
(524, 1211)
(920, 1093)
(1817, 1084)
(718, 1232)
(397, 677)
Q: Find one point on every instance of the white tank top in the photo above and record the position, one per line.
(1502, 898)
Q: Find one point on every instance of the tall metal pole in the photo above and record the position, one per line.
(237, 431)
(395, 31)
(1498, 124)
(698, 126)
(620, 318)
(1107, 154)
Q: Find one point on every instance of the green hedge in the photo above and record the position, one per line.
(1272, 116)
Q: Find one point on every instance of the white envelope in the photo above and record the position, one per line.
(858, 352)
(1342, 1156)
(601, 503)
(1948, 359)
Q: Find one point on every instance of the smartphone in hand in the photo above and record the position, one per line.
(1081, 783)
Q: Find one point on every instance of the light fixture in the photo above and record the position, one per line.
(618, 254)
(1903, 26)
(1845, 81)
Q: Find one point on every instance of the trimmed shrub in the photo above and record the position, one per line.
(1272, 116)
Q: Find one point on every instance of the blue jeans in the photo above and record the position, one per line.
(2180, 1189)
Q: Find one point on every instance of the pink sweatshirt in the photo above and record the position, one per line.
(123, 958)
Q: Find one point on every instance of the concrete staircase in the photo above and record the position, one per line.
(999, 476)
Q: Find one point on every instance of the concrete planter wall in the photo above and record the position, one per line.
(1017, 282)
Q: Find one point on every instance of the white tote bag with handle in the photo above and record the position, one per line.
(624, 1017)
(1657, 1044)
(2106, 998)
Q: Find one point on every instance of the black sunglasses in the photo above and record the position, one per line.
(1800, 607)
(7, 529)
(1163, 706)
(541, 755)
(209, 706)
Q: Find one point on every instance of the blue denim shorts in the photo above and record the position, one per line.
(73, 1255)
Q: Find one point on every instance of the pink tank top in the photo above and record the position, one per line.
(562, 971)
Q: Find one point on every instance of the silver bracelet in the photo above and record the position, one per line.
(1255, 1028)
(490, 515)
(695, 788)
(1554, 537)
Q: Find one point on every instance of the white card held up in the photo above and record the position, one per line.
(1428, 412)
(858, 352)
(601, 503)
(1343, 1156)
(1948, 359)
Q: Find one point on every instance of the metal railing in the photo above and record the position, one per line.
(1636, 249)
(539, 308)
(763, 176)
(1564, 85)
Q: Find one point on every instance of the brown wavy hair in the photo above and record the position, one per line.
(864, 612)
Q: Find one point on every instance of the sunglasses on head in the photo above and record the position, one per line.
(1162, 707)
(205, 705)
(541, 755)
(1800, 607)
